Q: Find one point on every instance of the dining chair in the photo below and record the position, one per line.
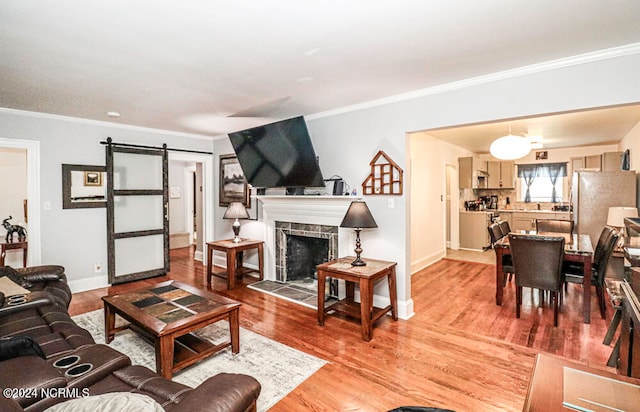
(537, 262)
(575, 273)
(504, 226)
(495, 233)
(554, 225)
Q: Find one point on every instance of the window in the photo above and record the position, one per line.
(541, 182)
(541, 189)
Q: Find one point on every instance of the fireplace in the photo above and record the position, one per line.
(316, 217)
(301, 247)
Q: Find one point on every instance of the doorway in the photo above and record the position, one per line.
(192, 213)
(29, 210)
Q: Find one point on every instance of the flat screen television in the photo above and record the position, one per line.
(278, 155)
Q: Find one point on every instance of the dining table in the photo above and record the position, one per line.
(577, 248)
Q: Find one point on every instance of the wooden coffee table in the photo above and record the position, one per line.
(166, 314)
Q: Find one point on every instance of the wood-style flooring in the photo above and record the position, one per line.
(460, 351)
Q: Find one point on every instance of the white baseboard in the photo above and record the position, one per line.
(405, 307)
(198, 256)
(422, 263)
(88, 283)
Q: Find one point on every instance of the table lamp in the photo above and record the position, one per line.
(236, 210)
(358, 217)
(616, 217)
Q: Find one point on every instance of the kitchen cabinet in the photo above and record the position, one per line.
(473, 230)
(592, 163)
(500, 174)
(611, 161)
(527, 220)
(472, 173)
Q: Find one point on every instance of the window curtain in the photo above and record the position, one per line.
(551, 170)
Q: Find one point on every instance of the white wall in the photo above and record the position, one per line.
(429, 158)
(631, 142)
(77, 238)
(177, 206)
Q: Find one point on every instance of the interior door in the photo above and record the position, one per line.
(137, 213)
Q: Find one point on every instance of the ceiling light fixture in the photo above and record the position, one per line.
(114, 115)
(510, 147)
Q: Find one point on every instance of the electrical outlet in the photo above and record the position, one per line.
(391, 203)
(97, 267)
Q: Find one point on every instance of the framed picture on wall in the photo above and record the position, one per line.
(92, 179)
(233, 185)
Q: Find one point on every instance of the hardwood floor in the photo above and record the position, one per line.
(460, 351)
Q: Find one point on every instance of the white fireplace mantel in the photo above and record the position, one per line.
(319, 210)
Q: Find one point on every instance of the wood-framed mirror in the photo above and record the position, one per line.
(83, 186)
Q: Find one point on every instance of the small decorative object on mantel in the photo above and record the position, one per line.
(385, 177)
(11, 229)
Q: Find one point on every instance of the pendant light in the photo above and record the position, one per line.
(510, 147)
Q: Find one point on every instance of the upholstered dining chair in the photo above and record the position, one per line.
(504, 227)
(537, 262)
(575, 273)
(554, 225)
(495, 233)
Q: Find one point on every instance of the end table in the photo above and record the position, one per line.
(234, 252)
(365, 276)
(4, 246)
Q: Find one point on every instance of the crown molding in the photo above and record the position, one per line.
(605, 54)
(102, 123)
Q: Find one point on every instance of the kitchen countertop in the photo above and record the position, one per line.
(532, 211)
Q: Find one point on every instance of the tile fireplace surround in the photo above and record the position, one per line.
(321, 211)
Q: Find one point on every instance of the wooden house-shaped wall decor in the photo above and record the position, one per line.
(385, 177)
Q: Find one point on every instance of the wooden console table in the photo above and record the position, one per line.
(13, 246)
(234, 252)
(365, 276)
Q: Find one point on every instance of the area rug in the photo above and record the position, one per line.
(278, 368)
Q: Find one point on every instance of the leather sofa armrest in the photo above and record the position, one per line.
(9, 405)
(31, 300)
(45, 273)
(27, 376)
(220, 393)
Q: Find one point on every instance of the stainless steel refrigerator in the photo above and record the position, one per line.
(593, 193)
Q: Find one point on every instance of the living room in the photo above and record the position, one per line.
(345, 141)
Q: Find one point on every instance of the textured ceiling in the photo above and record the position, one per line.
(210, 67)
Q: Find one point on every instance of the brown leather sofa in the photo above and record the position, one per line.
(76, 366)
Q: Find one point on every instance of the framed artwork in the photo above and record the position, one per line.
(233, 185)
(92, 179)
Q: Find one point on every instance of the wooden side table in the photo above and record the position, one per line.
(365, 276)
(234, 252)
(12, 246)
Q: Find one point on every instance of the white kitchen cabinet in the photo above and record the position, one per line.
(500, 174)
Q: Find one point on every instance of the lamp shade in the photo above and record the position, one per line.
(616, 215)
(236, 210)
(510, 147)
(358, 216)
